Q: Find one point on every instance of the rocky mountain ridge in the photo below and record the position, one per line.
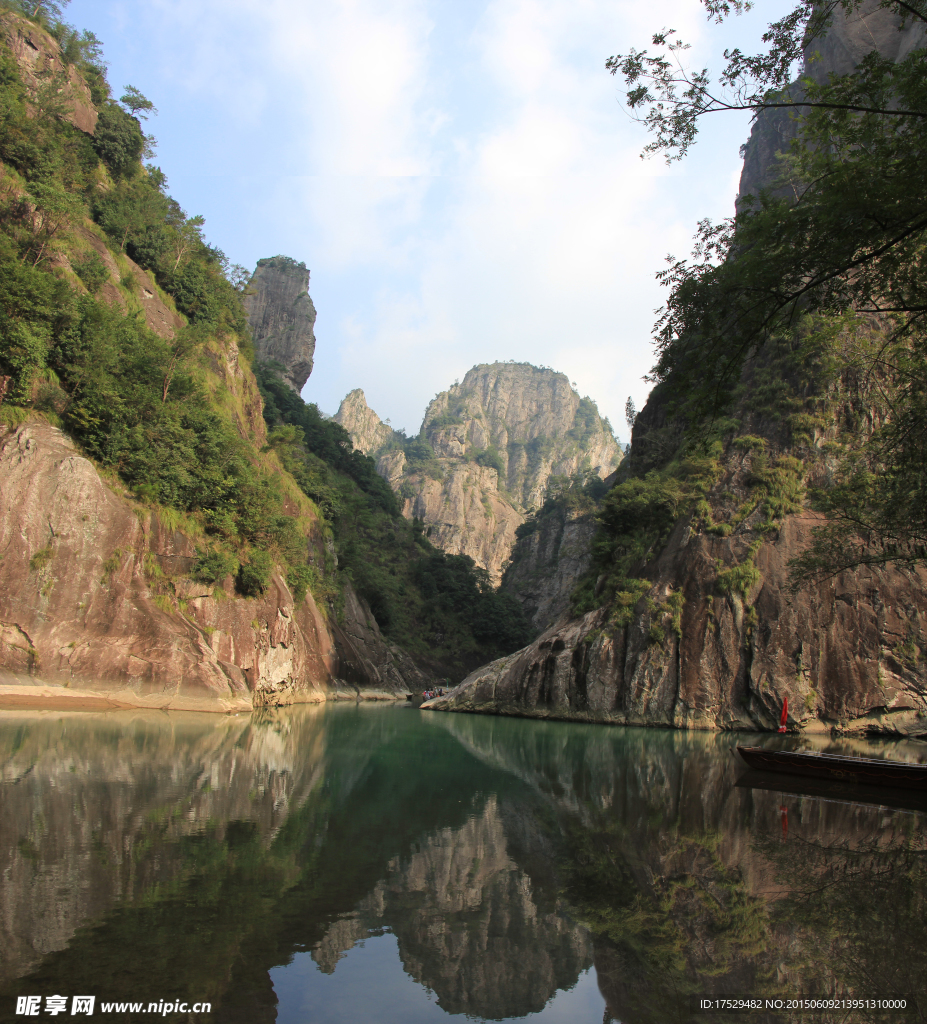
(487, 451)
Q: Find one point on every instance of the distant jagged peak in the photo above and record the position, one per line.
(368, 432)
(528, 421)
(523, 399)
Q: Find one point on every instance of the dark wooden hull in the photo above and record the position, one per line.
(855, 793)
(861, 770)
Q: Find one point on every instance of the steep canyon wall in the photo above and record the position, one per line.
(99, 606)
(709, 633)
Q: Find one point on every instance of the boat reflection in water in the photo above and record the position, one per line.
(864, 771)
(347, 863)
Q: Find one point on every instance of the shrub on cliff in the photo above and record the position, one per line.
(92, 271)
(118, 140)
(214, 566)
(491, 458)
(421, 458)
(254, 575)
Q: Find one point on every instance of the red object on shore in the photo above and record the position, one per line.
(785, 715)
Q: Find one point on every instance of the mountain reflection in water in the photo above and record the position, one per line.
(327, 863)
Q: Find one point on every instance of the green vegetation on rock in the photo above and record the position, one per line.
(149, 408)
(830, 248)
(440, 608)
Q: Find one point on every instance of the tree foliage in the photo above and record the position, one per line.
(843, 230)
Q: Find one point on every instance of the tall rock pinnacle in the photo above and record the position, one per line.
(281, 317)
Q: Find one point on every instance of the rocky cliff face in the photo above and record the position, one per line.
(841, 653)
(690, 644)
(85, 605)
(368, 432)
(98, 607)
(38, 58)
(493, 443)
(281, 317)
(464, 512)
(532, 417)
(838, 51)
(547, 564)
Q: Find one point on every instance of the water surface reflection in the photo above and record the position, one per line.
(309, 863)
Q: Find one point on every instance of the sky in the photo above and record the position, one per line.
(460, 176)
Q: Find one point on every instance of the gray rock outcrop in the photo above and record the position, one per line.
(281, 317)
(492, 444)
(532, 417)
(837, 51)
(368, 432)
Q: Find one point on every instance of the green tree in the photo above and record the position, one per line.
(53, 208)
(119, 140)
(847, 238)
(44, 10)
(136, 103)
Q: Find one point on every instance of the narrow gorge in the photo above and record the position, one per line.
(180, 529)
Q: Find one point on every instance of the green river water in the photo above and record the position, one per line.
(366, 863)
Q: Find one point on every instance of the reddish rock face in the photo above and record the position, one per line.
(78, 608)
(38, 58)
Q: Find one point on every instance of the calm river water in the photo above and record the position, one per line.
(360, 863)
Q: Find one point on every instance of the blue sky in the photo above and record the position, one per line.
(458, 175)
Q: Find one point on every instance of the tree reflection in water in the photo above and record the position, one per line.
(153, 857)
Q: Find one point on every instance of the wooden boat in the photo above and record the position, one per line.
(863, 770)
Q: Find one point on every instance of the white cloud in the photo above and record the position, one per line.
(460, 177)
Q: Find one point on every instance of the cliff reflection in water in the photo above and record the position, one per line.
(149, 856)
